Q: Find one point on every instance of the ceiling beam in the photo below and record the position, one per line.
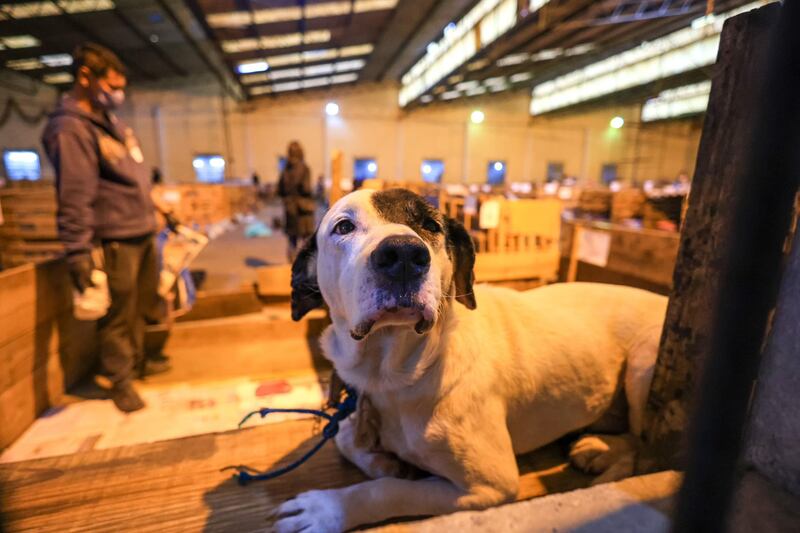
(229, 83)
(395, 37)
(433, 22)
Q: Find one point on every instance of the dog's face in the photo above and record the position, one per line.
(384, 258)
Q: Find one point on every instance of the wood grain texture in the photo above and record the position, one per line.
(43, 349)
(178, 485)
(704, 239)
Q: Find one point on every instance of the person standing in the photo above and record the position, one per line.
(103, 192)
(294, 187)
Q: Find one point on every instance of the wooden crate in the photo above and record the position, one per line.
(43, 349)
(205, 204)
(28, 232)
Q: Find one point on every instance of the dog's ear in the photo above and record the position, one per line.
(462, 254)
(305, 289)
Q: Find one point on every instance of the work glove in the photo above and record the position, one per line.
(80, 270)
(172, 222)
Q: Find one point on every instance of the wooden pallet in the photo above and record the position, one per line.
(179, 485)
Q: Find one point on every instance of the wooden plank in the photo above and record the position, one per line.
(27, 398)
(43, 349)
(32, 294)
(180, 486)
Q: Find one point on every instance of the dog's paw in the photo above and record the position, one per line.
(313, 511)
(595, 454)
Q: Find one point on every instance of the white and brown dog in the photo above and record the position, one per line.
(460, 389)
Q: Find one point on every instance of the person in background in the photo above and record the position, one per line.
(294, 188)
(103, 191)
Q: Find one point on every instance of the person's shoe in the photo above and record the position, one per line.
(126, 398)
(155, 364)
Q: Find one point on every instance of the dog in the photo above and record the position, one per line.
(462, 378)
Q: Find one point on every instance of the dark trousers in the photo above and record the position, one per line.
(131, 266)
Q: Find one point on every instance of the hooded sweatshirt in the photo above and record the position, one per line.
(102, 184)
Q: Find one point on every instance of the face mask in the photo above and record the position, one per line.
(110, 100)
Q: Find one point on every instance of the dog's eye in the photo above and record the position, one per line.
(432, 226)
(343, 227)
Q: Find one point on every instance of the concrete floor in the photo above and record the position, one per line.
(230, 260)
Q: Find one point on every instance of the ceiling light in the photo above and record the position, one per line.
(681, 51)
(344, 78)
(286, 86)
(498, 166)
(252, 66)
(56, 60)
(362, 6)
(355, 50)
(467, 85)
(327, 9)
(512, 59)
(285, 73)
(24, 64)
(20, 41)
(450, 95)
(331, 109)
(231, 19)
(372, 166)
(352, 64)
(426, 99)
(617, 122)
(238, 19)
(520, 77)
(315, 82)
(58, 77)
(477, 116)
(318, 70)
(681, 101)
(475, 91)
(85, 6)
(319, 55)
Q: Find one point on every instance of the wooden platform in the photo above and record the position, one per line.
(179, 485)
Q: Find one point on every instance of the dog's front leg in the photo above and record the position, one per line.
(375, 464)
(336, 510)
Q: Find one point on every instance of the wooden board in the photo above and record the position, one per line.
(179, 485)
(43, 349)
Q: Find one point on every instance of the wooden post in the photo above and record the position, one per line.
(572, 270)
(723, 154)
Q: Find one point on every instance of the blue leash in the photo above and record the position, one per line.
(344, 408)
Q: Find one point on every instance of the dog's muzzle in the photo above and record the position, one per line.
(400, 263)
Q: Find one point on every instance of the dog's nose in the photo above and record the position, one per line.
(401, 258)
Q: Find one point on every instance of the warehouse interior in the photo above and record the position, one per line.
(637, 143)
